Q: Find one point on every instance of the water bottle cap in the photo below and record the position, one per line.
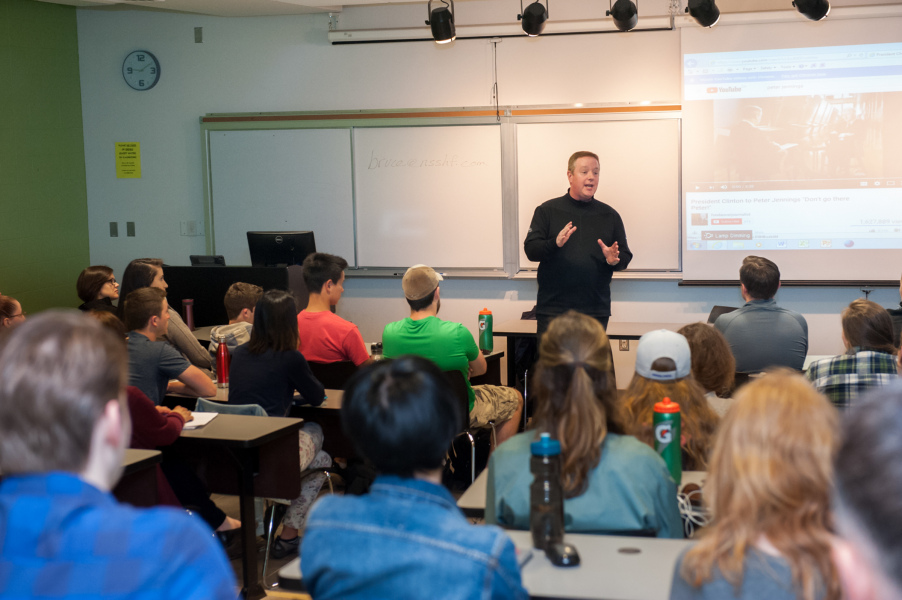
(545, 446)
(485, 311)
(667, 406)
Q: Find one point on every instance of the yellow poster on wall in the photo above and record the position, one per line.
(128, 160)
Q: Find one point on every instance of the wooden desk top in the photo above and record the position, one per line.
(616, 329)
(242, 431)
(135, 460)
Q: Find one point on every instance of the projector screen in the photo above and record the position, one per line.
(792, 149)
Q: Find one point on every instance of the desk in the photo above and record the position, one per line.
(138, 484)
(472, 502)
(605, 572)
(247, 456)
(328, 416)
(617, 330)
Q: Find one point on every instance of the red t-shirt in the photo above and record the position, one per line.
(326, 338)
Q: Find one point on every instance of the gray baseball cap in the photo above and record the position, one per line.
(662, 343)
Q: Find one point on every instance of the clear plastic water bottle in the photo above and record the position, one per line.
(546, 497)
(667, 436)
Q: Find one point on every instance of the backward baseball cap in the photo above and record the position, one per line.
(419, 281)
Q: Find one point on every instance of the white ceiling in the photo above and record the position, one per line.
(260, 8)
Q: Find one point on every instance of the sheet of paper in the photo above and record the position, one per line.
(200, 419)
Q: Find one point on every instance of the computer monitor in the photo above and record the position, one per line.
(279, 248)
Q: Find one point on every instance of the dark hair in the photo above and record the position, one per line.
(401, 415)
(319, 267)
(111, 322)
(576, 395)
(275, 323)
(240, 296)
(423, 303)
(57, 373)
(868, 476)
(141, 305)
(138, 274)
(713, 365)
(7, 306)
(760, 276)
(91, 281)
(867, 325)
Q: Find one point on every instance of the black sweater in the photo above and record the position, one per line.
(576, 275)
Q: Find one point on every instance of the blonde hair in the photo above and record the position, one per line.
(770, 474)
(698, 421)
(577, 397)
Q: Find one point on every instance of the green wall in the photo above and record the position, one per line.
(43, 199)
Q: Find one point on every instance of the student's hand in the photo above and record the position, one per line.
(565, 234)
(184, 413)
(163, 410)
(611, 253)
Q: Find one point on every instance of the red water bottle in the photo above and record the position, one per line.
(188, 312)
(222, 363)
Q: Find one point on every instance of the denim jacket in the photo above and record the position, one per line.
(405, 539)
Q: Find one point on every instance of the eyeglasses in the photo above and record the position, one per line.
(21, 314)
(112, 280)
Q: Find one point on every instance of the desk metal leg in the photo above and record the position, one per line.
(252, 589)
(511, 362)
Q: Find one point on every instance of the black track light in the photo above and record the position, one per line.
(813, 9)
(441, 20)
(625, 14)
(533, 18)
(705, 12)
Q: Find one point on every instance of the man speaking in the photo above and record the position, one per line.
(578, 242)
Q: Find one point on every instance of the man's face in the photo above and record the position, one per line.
(163, 325)
(337, 289)
(583, 178)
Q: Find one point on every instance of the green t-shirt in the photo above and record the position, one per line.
(449, 345)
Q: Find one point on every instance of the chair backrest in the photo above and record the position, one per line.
(334, 375)
(211, 406)
(719, 310)
(458, 385)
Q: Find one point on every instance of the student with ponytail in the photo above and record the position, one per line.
(613, 483)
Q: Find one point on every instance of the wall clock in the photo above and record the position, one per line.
(141, 70)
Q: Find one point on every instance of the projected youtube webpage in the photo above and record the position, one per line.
(794, 148)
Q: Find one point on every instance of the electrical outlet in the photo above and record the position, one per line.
(198, 35)
(624, 345)
(114, 229)
(130, 228)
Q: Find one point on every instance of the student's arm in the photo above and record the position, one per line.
(303, 380)
(193, 382)
(181, 337)
(354, 348)
(151, 427)
(477, 365)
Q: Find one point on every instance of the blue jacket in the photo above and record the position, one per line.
(405, 539)
(629, 490)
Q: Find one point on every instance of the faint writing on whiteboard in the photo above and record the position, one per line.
(448, 160)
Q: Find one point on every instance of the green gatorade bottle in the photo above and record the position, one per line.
(667, 436)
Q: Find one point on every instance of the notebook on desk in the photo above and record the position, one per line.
(200, 419)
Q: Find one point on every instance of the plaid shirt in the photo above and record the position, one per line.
(60, 537)
(843, 378)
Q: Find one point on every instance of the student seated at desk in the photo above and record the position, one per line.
(869, 360)
(152, 363)
(768, 488)
(664, 370)
(406, 538)
(612, 482)
(325, 337)
(267, 371)
(148, 272)
(240, 301)
(97, 288)
(713, 365)
(63, 430)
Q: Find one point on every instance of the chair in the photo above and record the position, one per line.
(717, 311)
(334, 375)
(273, 505)
(458, 386)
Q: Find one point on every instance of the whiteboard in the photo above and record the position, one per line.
(429, 195)
(640, 166)
(281, 180)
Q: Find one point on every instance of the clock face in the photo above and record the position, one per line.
(141, 70)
